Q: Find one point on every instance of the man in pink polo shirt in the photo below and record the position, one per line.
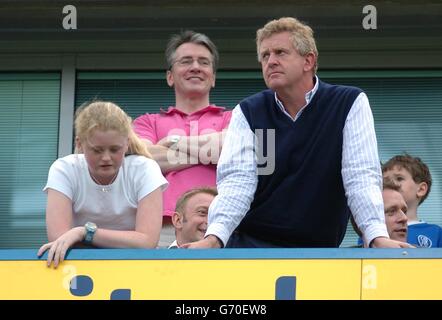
(186, 140)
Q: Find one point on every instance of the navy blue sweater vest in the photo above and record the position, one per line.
(302, 203)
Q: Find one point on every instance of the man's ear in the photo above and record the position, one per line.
(422, 190)
(177, 220)
(310, 61)
(169, 78)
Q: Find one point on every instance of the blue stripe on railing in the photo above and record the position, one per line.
(229, 254)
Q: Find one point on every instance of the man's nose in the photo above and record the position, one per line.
(195, 65)
(402, 217)
(272, 59)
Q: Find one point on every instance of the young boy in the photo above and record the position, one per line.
(415, 180)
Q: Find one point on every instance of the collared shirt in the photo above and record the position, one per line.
(173, 245)
(155, 127)
(361, 173)
(308, 97)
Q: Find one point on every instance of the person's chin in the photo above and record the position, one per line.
(274, 84)
(400, 237)
(197, 90)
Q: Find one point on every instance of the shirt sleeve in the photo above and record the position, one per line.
(236, 179)
(439, 236)
(60, 178)
(144, 127)
(361, 171)
(148, 178)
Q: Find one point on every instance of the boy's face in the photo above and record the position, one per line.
(410, 189)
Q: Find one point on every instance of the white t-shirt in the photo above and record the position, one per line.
(113, 206)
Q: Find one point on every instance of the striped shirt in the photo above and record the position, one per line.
(237, 177)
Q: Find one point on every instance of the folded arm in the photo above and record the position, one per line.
(188, 151)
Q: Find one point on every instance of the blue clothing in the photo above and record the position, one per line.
(422, 235)
(304, 196)
(425, 235)
(243, 240)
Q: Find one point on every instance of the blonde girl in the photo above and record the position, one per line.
(109, 193)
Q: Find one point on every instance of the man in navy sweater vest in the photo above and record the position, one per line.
(315, 160)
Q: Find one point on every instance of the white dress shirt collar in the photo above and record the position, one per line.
(308, 97)
(173, 245)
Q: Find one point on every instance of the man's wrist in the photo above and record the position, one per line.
(372, 243)
(214, 241)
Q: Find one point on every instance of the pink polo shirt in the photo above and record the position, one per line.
(154, 127)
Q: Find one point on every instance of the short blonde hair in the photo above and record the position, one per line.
(185, 197)
(301, 34)
(105, 115)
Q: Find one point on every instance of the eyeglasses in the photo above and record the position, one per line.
(188, 61)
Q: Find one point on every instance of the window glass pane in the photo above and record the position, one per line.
(29, 111)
